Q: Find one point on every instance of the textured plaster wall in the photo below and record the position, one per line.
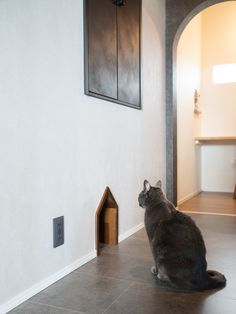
(60, 148)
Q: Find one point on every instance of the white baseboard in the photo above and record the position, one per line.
(27, 294)
(188, 197)
(130, 232)
(24, 296)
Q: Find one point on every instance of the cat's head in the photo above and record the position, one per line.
(150, 195)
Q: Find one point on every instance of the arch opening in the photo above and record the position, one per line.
(177, 19)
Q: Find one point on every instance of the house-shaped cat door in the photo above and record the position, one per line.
(106, 221)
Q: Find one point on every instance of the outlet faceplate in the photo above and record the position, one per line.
(58, 231)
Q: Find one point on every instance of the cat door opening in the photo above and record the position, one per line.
(106, 221)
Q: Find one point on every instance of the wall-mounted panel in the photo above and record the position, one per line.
(101, 48)
(128, 22)
(112, 51)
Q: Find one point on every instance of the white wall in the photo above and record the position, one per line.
(218, 168)
(213, 32)
(60, 148)
(218, 47)
(218, 100)
(188, 123)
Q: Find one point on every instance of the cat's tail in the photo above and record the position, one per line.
(215, 280)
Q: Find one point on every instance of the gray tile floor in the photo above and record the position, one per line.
(119, 281)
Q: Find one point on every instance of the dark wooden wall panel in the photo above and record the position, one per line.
(112, 51)
(102, 48)
(128, 21)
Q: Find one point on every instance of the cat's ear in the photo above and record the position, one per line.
(146, 186)
(158, 184)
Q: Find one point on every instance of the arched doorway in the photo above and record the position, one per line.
(177, 17)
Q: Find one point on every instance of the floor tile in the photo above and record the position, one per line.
(121, 267)
(120, 281)
(133, 246)
(215, 223)
(82, 292)
(140, 299)
(32, 308)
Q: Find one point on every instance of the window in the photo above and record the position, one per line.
(224, 73)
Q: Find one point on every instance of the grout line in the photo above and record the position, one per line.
(144, 256)
(207, 213)
(56, 307)
(131, 284)
(117, 278)
(125, 280)
(108, 277)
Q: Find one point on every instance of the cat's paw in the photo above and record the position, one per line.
(159, 276)
(162, 277)
(154, 270)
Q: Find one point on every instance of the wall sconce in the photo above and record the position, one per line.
(119, 3)
(196, 102)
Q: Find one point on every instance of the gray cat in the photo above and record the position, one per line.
(177, 244)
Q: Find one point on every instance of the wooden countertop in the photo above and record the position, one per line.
(215, 139)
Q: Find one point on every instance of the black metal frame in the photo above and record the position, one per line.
(86, 60)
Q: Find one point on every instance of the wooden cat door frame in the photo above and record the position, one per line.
(106, 221)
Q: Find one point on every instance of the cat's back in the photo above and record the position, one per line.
(178, 231)
(180, 221)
